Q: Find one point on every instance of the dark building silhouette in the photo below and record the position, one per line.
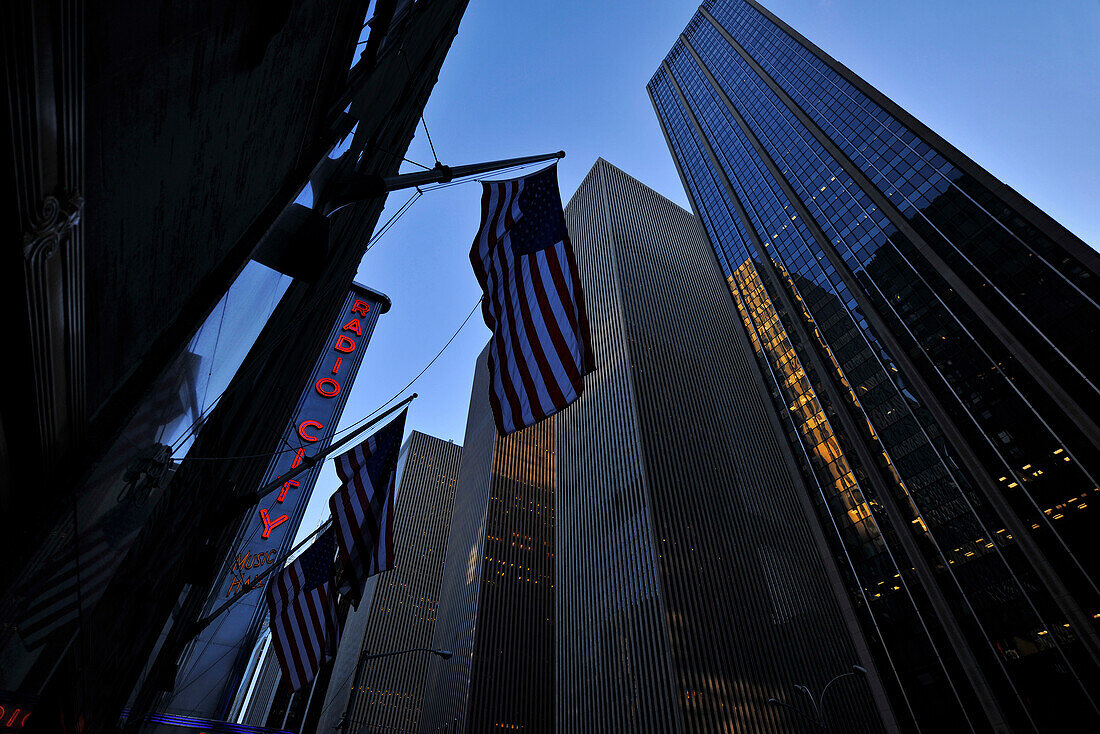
(928, 338)
(156, 153)
(496, 603)
(150, 145)
(693, 581)
(399, 610)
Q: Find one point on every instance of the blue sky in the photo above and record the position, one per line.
(1013, 84)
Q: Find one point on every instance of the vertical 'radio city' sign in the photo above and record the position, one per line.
(311, 430)
(276, 519)
(208, 675)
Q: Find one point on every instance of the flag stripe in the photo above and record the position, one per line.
(358, 504)
(304, 628)
(519, 408)
(522, 256)
(555, 352)
(362, 508)
(577, 300)
(565, 366)
(517, 368)
(564, 289)
(550, 393)
(534, 390)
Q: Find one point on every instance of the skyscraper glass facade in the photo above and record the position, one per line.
(927, 334)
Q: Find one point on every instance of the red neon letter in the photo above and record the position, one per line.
(336, 367)
(360, 308)
(282, 495)
(302, 430)
(353, 325)
(270, 524)
(344, 344)
(333, 387)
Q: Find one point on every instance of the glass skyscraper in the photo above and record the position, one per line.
(929, 339)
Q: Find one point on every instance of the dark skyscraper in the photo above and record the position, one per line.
(693, 582)
(929, 339)
(399, 614)
(496, 603)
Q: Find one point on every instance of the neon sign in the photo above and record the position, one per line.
(326, 387)
(14, 719)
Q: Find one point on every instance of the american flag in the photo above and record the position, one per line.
(302, 604)
(55, 591)
(541, 348)
(362, 509)
(55, 598)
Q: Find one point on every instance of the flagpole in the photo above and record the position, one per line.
(344, 189)
(308, 462)
(444, 174)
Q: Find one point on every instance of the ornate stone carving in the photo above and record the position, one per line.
(52, 226)
(54, 277)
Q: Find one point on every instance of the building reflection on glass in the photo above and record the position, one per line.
(770, 341)
(921, 327)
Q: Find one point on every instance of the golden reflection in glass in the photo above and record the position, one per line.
(770, 340)
(769, 337)
(843, 379)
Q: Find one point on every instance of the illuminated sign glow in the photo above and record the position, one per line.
(326, 387)
(14, 719)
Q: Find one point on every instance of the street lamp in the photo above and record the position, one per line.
(819, 702)
(342, 725)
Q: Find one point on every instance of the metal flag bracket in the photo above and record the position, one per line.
(337, 186)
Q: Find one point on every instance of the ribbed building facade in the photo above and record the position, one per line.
(692, 582)
(260, 684)
(399, 613)
(928, 337)
(496, 605)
